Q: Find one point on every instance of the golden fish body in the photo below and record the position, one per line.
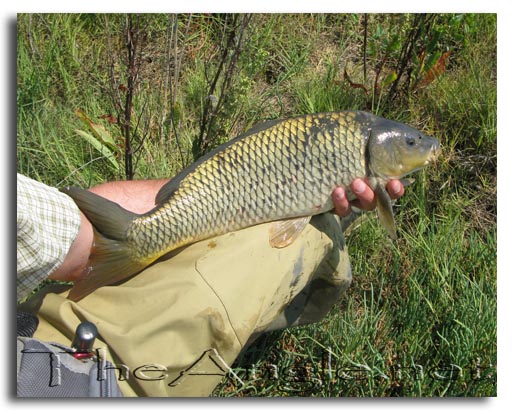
(279, 170)
(286, 170)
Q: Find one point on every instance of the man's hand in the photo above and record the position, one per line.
(365, 196)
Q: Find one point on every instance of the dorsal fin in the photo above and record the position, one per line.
(264, 125)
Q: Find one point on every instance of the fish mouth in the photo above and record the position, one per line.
(435, 151)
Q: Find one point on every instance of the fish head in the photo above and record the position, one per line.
(396, 150)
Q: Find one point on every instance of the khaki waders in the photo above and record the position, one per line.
(175, 328)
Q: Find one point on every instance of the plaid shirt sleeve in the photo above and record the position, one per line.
(48, 222)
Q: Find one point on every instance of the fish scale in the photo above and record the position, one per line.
(285, 146)
(282, 171)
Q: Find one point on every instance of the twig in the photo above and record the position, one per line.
(365, 46)
(178, 60)
(131, 44)
(114, 90)
(233, 44)
(420, 23)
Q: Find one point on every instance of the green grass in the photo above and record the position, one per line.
(420, 316)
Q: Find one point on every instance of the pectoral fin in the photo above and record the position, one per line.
(385, 211)
(283, 233)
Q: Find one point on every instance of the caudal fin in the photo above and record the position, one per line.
(111, 259)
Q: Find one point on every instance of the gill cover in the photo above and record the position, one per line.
(396, 150)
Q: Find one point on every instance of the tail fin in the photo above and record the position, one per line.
(111, 259)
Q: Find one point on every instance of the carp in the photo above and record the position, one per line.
(280, 171)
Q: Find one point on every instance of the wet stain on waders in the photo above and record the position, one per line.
(297, 269)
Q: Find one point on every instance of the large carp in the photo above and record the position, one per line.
(282, 171)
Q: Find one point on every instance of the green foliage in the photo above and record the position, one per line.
(427, 300)
(100, 139)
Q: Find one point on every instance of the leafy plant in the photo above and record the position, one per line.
(100, 139)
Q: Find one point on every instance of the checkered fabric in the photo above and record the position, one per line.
(47, 224)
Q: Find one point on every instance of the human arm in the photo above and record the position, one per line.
(136, 196)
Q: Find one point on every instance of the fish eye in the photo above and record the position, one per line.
(410, 141)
